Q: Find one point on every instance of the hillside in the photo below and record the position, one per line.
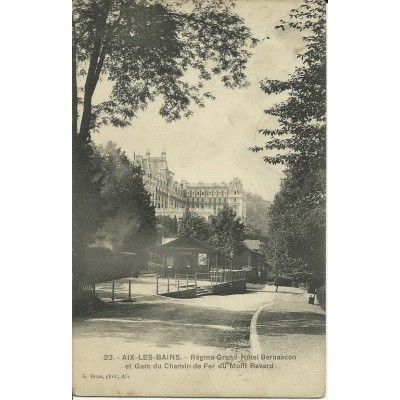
(256, 210)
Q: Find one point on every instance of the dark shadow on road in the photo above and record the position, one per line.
(167, 324)
(273, 291)
(292, 323)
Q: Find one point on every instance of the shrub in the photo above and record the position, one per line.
(105, 265)
(285, 281)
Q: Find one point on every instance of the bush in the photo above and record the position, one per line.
(84, 302)
(321, 296)
(105, 265)
(285, 281)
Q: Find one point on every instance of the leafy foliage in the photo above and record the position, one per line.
(300, 139)
(228, 233)
(147, 48)
(194, 225)
(225, 231)
(131, 222)
(144, 49)
(296, 219)
(167, 226)
(297, 225)
(89, 215)
(256, 211)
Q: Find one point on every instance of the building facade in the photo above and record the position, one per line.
(166, 193)
(212, 197)
(171, 198)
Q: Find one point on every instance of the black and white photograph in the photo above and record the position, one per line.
(199, 198)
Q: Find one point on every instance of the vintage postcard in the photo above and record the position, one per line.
(199, 198)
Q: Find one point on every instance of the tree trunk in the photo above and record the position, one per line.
(95, 67)
(74, 86)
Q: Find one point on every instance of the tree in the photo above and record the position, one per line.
(146, 48)
(297, 216)
(228, 233)
(194, 225)
(296, 241)
(131, 221)
(302, 117)
(256, 211)
(89, 215)
(168, 227)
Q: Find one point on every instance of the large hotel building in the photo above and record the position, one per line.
(171, 198)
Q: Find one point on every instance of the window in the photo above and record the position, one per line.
(170, 261)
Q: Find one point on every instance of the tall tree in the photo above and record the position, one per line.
(297, 215)
(194, 225)
(131, 222)
(296, 239)
(145, 48)
(300, 139)
(256, 211)
(88, 208)
(228, 233)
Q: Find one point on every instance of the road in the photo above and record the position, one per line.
(296, 330)
(212, 325)
(212, 321)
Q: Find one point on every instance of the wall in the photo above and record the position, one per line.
(234, 287)
(182, 294)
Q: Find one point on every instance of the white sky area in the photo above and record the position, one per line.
(212, 145)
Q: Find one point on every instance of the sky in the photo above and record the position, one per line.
(212, 145)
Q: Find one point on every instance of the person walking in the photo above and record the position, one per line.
(276, 283)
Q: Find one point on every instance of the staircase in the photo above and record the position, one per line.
(200, 292)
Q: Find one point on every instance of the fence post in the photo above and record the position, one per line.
(157, 285)
(178, 283)
(195, 281)
(187, 282)
(168, 284)
(130, 282)
(112, 298)
(94, 288)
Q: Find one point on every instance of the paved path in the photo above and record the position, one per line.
(292, 328)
